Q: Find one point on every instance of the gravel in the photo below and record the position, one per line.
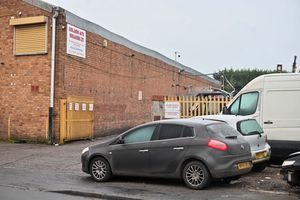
(269, 180)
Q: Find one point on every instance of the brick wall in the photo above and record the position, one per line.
(26, 107)
(112, 75)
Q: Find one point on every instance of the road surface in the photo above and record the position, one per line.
(34, 171)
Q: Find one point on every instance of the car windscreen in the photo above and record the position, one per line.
(249, 127)
(221, 130)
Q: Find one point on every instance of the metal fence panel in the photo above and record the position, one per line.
(198, 106)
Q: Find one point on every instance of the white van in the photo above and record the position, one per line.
(274, 101)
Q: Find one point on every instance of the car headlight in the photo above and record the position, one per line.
(288, 163)
(85, 150)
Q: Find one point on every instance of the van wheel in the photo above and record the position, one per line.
(196, 176)
(100, 169)
(259, 167)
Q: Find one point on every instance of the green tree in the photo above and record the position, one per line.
(240, 77)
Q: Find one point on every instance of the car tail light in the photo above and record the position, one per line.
(215, 144)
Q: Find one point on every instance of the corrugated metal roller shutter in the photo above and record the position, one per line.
(30, 39)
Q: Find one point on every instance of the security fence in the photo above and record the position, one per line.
(191, 106)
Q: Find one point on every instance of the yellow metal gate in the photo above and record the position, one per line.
(76, 118)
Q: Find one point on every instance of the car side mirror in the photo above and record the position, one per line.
(121, 141)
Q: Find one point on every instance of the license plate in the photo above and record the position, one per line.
(244, 165)
(261, 155)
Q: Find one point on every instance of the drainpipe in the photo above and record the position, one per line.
(51, 110)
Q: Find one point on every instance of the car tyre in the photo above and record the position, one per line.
(196, 176)
(100, 169)
(293, 184)
(259, 167)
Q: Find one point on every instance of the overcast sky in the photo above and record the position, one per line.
(209, 34)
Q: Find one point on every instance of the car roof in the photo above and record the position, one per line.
(230, 119)
(186, 122)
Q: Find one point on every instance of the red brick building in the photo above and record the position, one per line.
(119, 75)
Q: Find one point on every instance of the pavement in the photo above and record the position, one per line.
(35, 171)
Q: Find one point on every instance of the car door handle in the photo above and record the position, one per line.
(268, 122)
(143, 150)
(178, 148)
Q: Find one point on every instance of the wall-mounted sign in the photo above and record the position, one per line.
(140, 96)
(76, 106)
(70, 106)
(91, 107)
(172, 110)
(83, 107)
(76, 41)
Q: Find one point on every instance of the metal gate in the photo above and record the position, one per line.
(191, 106)
(76, 118)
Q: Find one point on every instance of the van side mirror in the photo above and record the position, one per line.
(225, 110)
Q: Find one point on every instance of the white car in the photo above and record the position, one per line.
(253, 134)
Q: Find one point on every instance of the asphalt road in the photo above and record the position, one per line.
(9, 193)
(32, 171)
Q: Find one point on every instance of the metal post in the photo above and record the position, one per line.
(294, 69)
(177, 55)
(51, 110)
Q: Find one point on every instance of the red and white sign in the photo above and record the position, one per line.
(76, 41)
(76, 107)
(83, 107)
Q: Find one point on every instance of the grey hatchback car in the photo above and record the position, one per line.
(195, 151)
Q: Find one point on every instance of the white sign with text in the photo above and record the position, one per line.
(76, 41)
(172, 110)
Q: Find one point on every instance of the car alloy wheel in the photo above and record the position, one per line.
(195, 175)
(100, 169)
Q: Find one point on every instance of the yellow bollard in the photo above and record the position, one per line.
(46, 129)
